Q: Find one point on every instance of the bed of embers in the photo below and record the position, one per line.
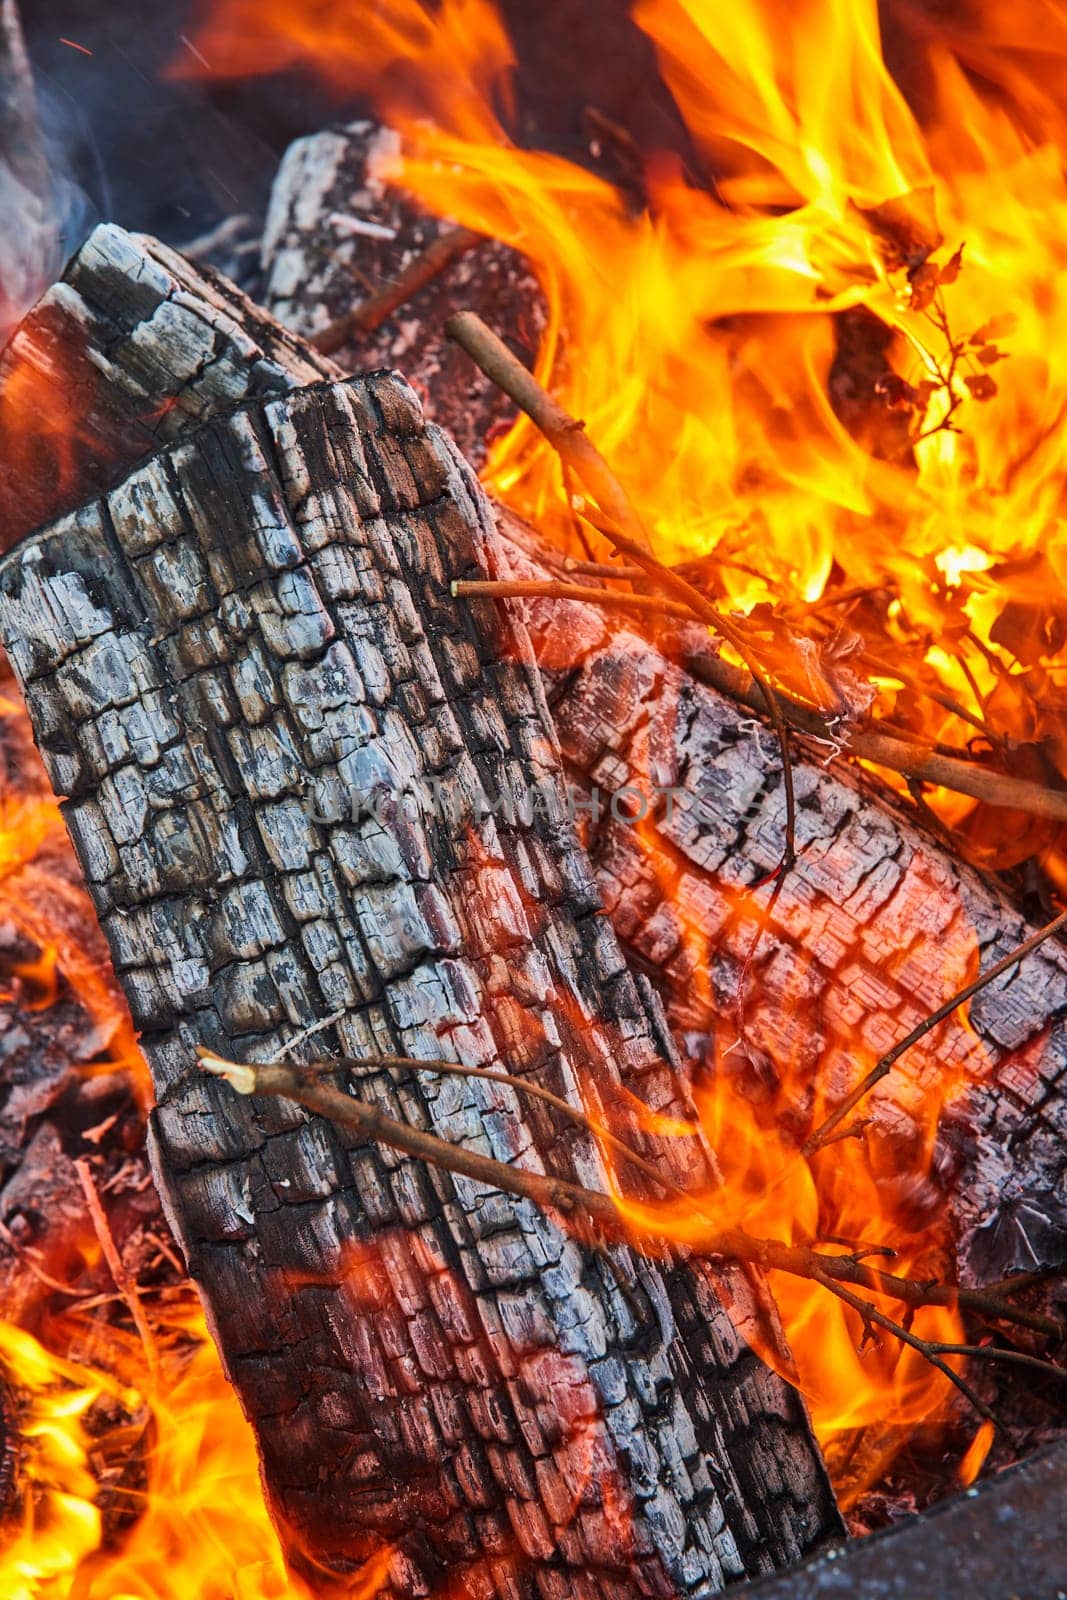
(820, 344)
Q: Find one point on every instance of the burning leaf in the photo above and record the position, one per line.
(818, 669)
(906, 227)
(995, 328)
(951, 270)
(980, 385)
(1031, 632)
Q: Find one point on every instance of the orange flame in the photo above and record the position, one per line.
(696, 337)
(42, 897)
(199, 1528)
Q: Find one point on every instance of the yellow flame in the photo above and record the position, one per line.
(197, 1530)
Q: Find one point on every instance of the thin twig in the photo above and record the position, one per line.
(379, 306)
(889, 1060)
(883, 750)
(536, 1091)
(601, 569)
(617, 520)
(564, 433)
(871, 1314)
(291, 1082)
(123, 1279)
(282, 1079)
(547, 589)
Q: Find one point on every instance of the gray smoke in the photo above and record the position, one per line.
(40, 208)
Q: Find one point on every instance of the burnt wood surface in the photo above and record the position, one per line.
(337, 229)
(220, 656)
(878, 923)
(130, 348)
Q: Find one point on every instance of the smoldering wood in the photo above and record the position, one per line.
(844, 960)
(338, 230)
(269, 632)
(876, 925)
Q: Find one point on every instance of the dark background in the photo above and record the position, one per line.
(172, 157)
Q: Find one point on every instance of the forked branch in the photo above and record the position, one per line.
(592, 1213)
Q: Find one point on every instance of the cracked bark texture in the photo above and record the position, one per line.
(131, 347)
(218, 656)
(878, 923)
(875, 927)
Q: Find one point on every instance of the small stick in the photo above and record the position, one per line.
(379, 307)
(123, 1280)
(601, 569)
(564, 433)
(536, 1091)
(282, 1079)
(910, 759)
(618, 520)
(290, 1082)
(547, 590)
(871, 1314)
(889, 1060)
(883, 750)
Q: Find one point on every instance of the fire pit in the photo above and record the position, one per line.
(543, 986)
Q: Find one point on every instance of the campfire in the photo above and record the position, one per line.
(532, 943)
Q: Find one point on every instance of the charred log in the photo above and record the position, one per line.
(875, 926)
(131, 347)
(427, 1363)
(866, 869)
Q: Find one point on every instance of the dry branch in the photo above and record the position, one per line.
(564, 433)
(587, 1208)
(379, 306)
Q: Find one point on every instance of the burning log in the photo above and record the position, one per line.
(431, 1367)
(876, 925)
(128, 350)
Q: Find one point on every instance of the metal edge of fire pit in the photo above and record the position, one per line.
(1005, 1539)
